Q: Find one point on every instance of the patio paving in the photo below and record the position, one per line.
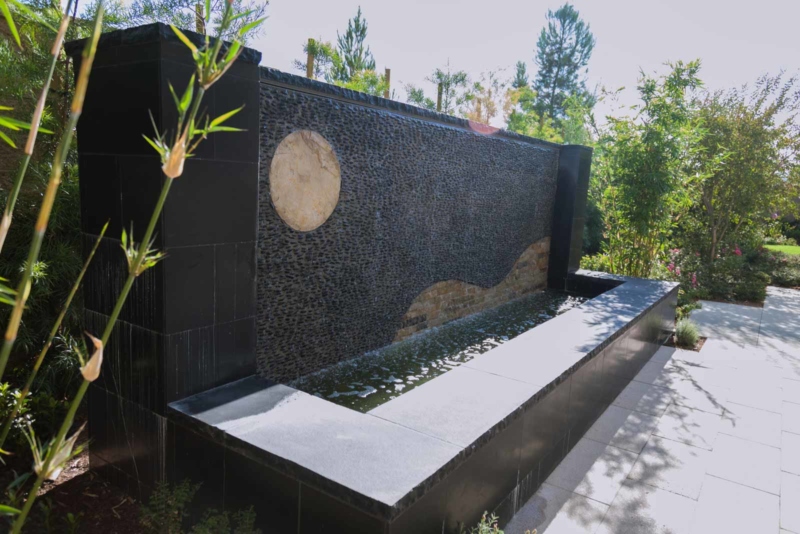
(698, 443)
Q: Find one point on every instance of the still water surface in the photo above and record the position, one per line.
(379, 376)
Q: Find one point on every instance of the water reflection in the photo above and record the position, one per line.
(379, 376)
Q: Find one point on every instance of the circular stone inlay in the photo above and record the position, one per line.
(304, 180)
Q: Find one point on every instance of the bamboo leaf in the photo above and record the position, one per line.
(247, 27)
(185, 40)
(5, 509)
(10, 21)
(187, 96)
(225, 116)
(155, 146)
(6, 138)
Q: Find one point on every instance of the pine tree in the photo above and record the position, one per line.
(521, 76)
(355, 55)
(562, 53)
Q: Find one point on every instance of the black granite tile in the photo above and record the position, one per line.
(225, 264)
(141, 181)
(100, 194)
(190, 364)
(546, 422)
(213, 202)
(199, 460)
(235, 348)
(320, 513)
(115, 114)
(586, 398)
(546, 467)
(188, 288)
(273, 495)
(229, 93)
(245, 280)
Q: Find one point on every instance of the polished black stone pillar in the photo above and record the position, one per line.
(569, 213)
(189, 323)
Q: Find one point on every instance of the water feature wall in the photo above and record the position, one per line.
(334, 224)
(420, 219)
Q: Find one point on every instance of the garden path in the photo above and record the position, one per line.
(699, 443)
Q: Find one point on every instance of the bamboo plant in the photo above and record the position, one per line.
(193, 126)
(35, 125)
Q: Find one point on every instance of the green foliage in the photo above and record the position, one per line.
(522, 116)
(520, 76)
(455, 90)
(354, 53)
(562, 53)
(746, 162)
(167, 511)
(593, 228)
(192, 15)
(483, 102)
(686, 333)
(641, 181)
(596, 262)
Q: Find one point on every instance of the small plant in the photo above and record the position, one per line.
(686, 333)
(488, 525)
(167, 509)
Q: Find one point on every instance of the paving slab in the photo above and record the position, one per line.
(594, 470)
(672, 466)
(791, 390)
(725, 506)
(692, 427)
(642, 509)
(752, 424)
(644, 398)
(623, 428)
(746, 462)
(790, 502)
(761, 396)
(556, 511)
(791, 417)
(731, 322)
(790, 453)
(711, 399)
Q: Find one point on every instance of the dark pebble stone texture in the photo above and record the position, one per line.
(421, 202)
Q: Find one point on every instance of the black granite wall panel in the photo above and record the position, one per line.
(421, 202)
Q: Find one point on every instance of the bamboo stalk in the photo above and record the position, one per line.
(36, 119)
(39, 359)
(55, 175)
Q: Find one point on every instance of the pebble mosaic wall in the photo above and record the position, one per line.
(420, 202)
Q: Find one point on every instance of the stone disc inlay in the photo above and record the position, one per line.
(304, 180)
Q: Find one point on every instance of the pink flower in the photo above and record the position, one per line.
(697, 254)
(671, 267)
(678, 271)
(694, 280)
(774, 216)
(738, 251)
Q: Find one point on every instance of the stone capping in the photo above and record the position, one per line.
(154, 32)
(215, 414)
(275, 77)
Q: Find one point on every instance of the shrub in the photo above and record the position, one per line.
(686, 333)
(167, 509)
(752, 287)
(597, 262)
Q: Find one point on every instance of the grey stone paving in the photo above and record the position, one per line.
(698, 443)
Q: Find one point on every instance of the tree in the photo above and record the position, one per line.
(521, 76)
(355, 55)
(519, 108)
(641, 179)
(455, 90)
(190, 14)
(562, 53)
(481, 104)
(748, 160)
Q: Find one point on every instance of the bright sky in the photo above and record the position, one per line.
(736, 40)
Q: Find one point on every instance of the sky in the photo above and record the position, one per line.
(736, 41)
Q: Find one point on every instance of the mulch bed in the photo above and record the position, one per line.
(671, 343)
(100, 507)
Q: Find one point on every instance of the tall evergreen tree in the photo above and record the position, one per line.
(562, 53)
(521, 76)
(355, 55)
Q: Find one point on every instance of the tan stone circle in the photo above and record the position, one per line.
(304, 180)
